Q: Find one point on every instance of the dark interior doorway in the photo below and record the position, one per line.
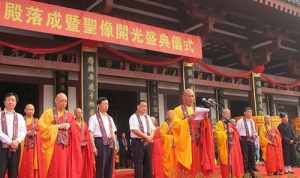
(237, 107)
(290, 109)
(27, 93)
(121, 105)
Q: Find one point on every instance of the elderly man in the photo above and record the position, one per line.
(61, 141)
(229, 149)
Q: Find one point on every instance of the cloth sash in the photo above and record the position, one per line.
(106, 140)
(141, 124)
(249, 137)
(30, 138)
(4, 128)
(62, 135)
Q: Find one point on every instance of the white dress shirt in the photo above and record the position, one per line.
(242, 129)
(7, 138)
(94, 126)
(134, 124)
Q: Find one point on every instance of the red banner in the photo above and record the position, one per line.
(42, 17)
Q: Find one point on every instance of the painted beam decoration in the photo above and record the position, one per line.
(52, 19)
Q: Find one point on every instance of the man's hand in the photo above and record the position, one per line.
(149, 139)
(64, 126)
(14, 144)
(95, 151)
(230, 130)
(291, 141)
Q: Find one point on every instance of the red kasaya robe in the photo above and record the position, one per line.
(206, 154)
(61, 161)
(157, 169)
(274, 155)
(230, 155)
(200, 135)
(32, 159)
(88, 157)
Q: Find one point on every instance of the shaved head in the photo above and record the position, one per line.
(226, 113)
(78, 114)
(29, 110)
(61, 101)
(188, 97)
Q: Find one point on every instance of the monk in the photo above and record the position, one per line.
(229, 149)
(32, 159)
(194, 153)
(61, 141)
(270, 141)
(168, 146)
(157, 152)
(88, 168)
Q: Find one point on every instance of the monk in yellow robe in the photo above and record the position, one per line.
(194, 142)
(168, 145)
(61, 141)
(270, 141)
(229, 148)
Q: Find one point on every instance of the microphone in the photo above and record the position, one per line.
(204, 100)
(212, 101)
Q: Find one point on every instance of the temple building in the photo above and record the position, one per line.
(238, 52)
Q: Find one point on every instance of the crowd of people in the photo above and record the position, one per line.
(60, 144)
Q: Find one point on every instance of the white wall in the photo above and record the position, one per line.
(48, 96)
(161, 108)
(72, 98)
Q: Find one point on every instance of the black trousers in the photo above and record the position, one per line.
(104, 159)
(289, 154)
(141, 155)
(9, 162)
(248, 149)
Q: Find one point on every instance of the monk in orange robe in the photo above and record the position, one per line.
(88, 168)
(229, 148)
(157, 171)
(32, 159)
(270, 141)
(168, 146)
(194, 140)
(61, 141)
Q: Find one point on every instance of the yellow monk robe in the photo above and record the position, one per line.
(71, 163)
(263, 140)
(168, 156)
(182, 137)
(236, 158)
(196, 152)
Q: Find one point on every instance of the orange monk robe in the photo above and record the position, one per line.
(88, 158)
(60, 162)
(168, 154)
(235, 159)
(157, 151)
(272, 149)
(32, 159)
(199, 153)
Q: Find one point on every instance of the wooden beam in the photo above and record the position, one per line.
(136, 74)
(40, 64)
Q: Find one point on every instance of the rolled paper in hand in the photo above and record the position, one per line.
(200, 113)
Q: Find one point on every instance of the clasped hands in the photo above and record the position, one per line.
(65, 126)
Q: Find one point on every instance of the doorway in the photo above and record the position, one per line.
(121, 105)
(237, 107)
